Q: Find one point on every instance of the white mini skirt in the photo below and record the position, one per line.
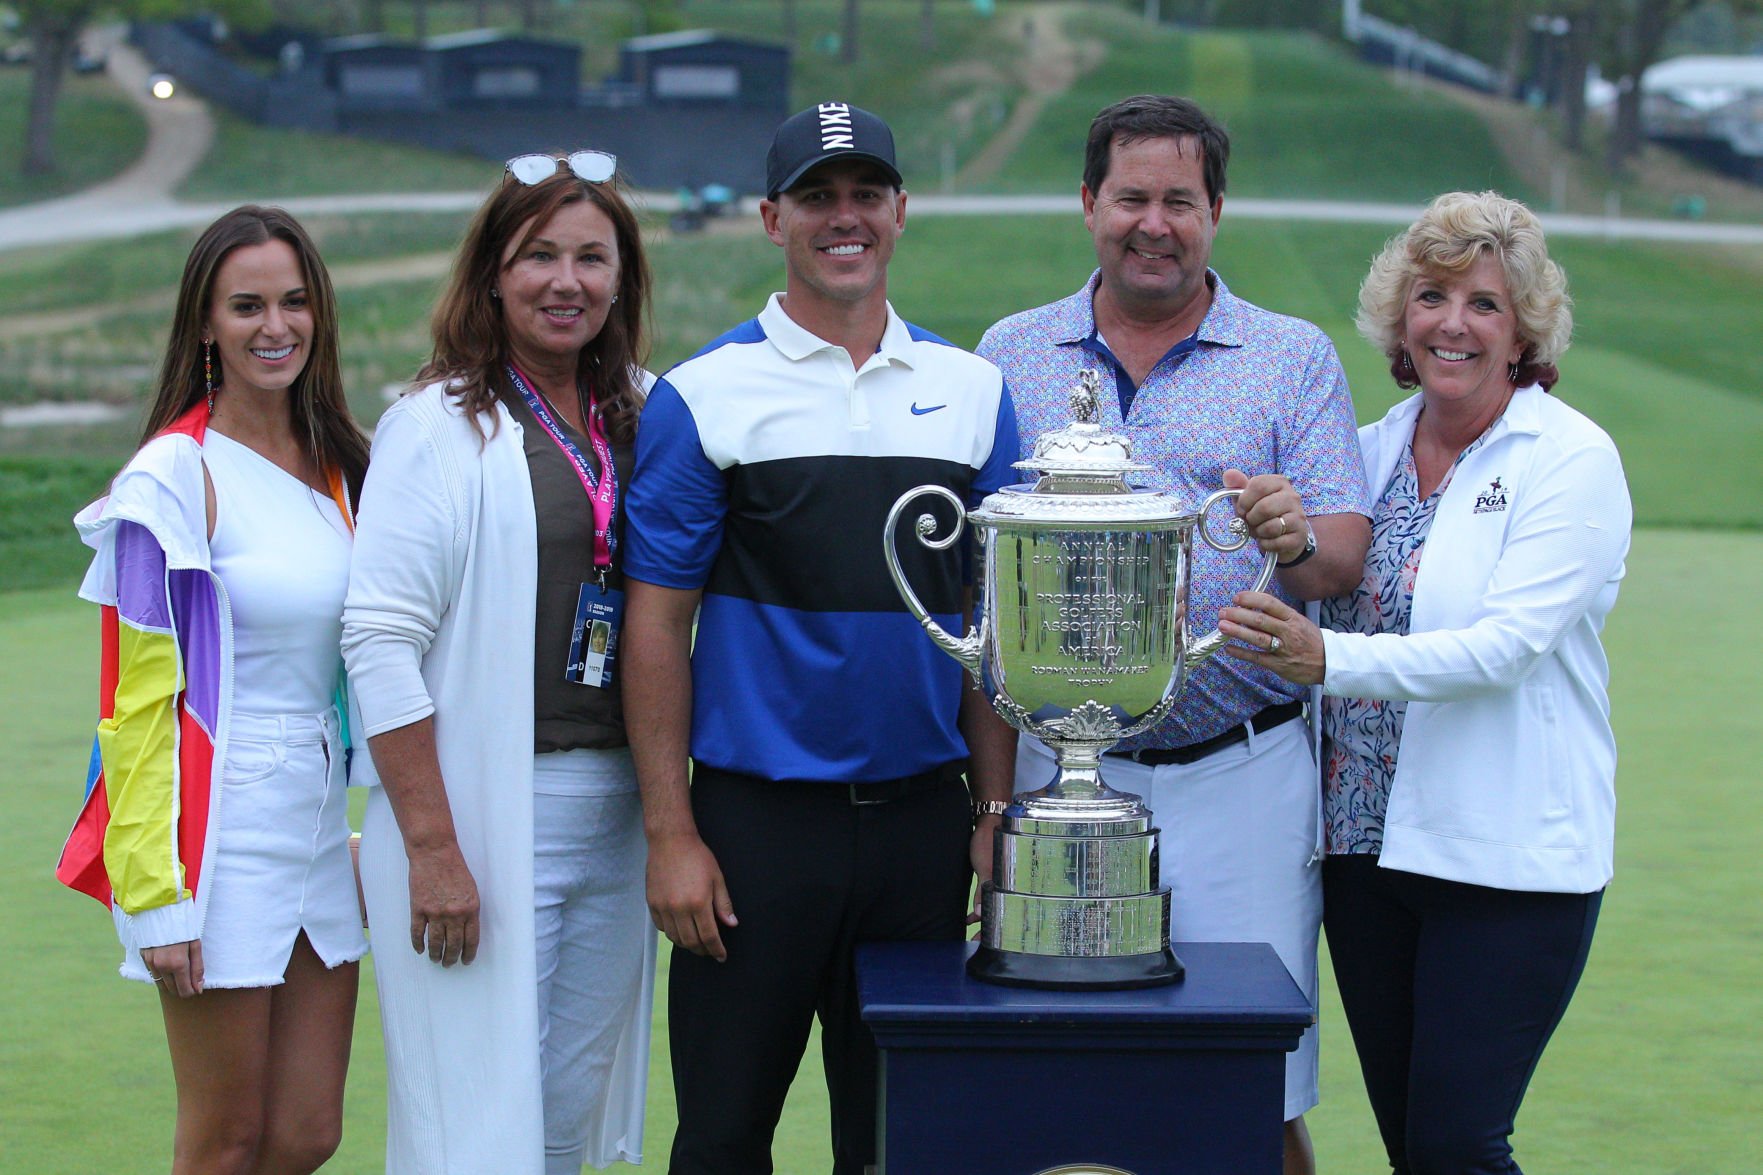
(280, 863)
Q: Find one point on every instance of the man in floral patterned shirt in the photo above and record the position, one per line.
(1213, 391)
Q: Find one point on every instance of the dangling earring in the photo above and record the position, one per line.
(1512, 374)
(494, 292)
(614, 301)
(1407, 362)
(208, 372)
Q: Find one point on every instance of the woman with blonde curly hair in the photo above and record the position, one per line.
(1469, 770)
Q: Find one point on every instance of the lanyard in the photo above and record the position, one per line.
(602, 491)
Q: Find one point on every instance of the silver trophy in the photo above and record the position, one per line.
(1082, 641)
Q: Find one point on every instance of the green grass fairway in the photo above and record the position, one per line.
(38, 546)
(1653, 1072)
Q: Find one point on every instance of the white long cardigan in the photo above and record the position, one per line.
(439, 620)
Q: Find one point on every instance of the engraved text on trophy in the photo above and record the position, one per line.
(1083, 611)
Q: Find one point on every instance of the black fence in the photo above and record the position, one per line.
(657, 147)
(299, 100)
(1398, 47)
(428, 96)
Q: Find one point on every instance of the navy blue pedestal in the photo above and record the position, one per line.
(978, 1079)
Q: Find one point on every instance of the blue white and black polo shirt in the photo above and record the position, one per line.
(765, 470)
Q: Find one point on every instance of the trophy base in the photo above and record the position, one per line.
(1066, 973)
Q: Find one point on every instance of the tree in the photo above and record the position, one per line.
(1511, 65)
(1636, 34)
(1635, 41)
(54, 27)
(848, 35)
(1582, 28)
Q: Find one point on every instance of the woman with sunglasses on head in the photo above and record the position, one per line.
(505, 836)
(214, 825)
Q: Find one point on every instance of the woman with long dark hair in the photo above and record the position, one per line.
(214, 825)
(506, 831)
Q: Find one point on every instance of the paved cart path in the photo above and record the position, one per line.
(77, 218)
(179, 133)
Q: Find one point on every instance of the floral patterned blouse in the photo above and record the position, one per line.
(1361, 735)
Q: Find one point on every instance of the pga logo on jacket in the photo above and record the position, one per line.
(1493, 499)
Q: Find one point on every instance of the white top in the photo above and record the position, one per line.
(1506, 773)
(281, 548)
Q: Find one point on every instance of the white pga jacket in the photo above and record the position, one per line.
(1505, 776)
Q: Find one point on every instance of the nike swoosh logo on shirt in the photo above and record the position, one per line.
(917, 411)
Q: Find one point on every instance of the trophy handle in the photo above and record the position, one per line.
(1216, 640)
(964, 649)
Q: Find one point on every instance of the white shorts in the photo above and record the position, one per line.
(280, 862)
(1238, 847)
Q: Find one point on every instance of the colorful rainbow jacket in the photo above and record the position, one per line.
(165, 689)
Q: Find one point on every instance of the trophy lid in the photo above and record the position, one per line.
(1083, 457)
(1082, 473)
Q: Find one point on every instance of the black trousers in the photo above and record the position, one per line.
(810, 876)
(1451, 992)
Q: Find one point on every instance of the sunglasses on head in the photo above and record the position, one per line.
(594, 167)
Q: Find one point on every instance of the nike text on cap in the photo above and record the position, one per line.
(831, 130)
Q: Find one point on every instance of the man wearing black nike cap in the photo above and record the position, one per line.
(832, 130)
(844, 780)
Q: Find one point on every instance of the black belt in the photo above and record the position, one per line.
(884, 791)
(1164, 756)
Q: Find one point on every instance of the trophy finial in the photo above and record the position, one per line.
(1085, 401)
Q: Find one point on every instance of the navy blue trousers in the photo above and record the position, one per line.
(1451, 992)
